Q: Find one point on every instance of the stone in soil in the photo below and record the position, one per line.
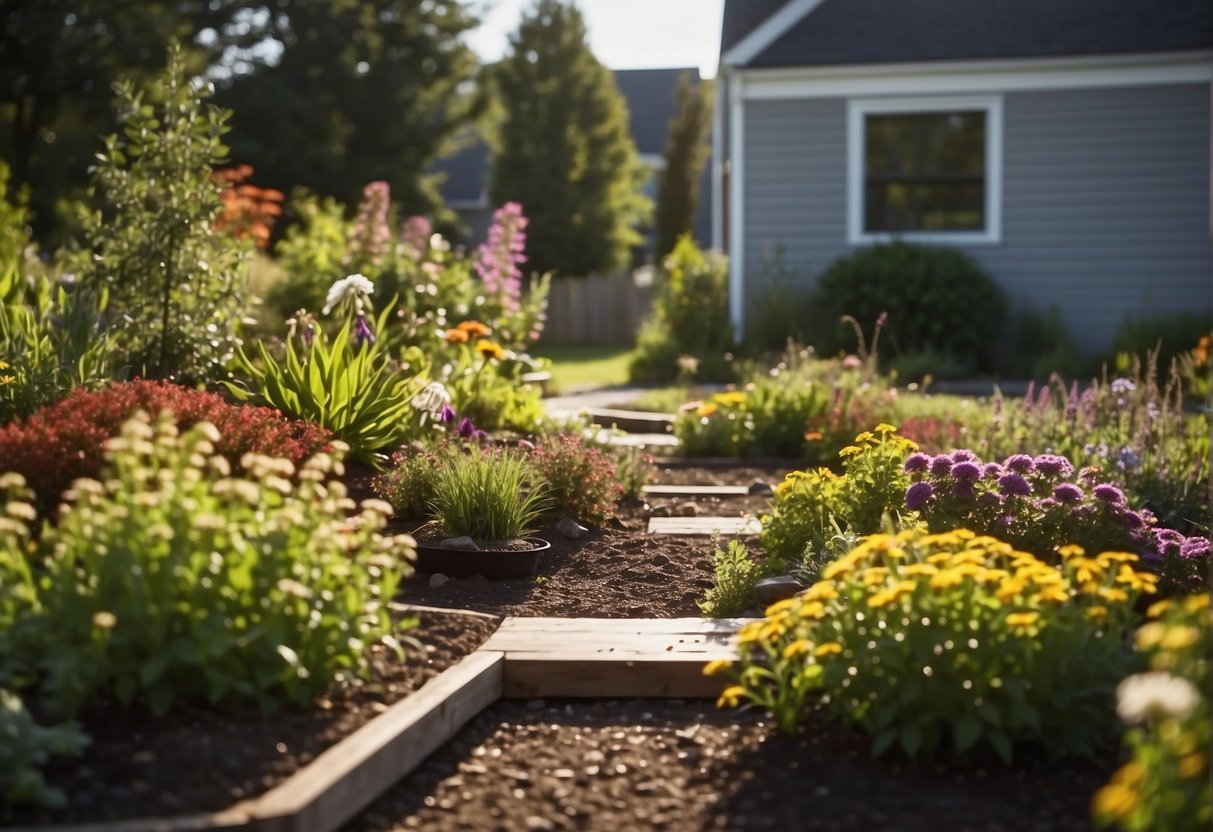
(770, 590)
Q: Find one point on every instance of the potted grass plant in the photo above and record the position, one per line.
(484, 503)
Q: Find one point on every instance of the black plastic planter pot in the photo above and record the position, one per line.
(491, 563)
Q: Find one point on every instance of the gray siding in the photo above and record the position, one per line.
(1105, 200)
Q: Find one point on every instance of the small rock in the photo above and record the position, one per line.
(660, 560)
(688, 509)
(465, 543)
(571, 529)
(438, 579)
(769, 590)
(761, 487)
(535, 823)
(662, 510)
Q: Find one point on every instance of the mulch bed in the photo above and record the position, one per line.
(200, 760)
(675, 765)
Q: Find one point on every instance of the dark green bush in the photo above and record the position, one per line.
(937, 299)
(1171, 334)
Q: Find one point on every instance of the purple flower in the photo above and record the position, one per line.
(882, 319)
(1068, 493)
(965, 471)
(1132, 520)
(447, 415)
(1048, 504)
(1053, 465)
(1005, 521)
(963, 489)
(989, 499)
(1195, 548)
(1020, 464)
(466, 429)
(1089, 474)
(370, 236)
(941, 465)
(362, 331)
(991, 471)
(1126, 460)
(1123, 385)
(1109, 494)
(309, 335)
(1169, 542)
(416, 234)
(499, 257)
(1013, 485)
(916, 463)
(963, 455)
(918, 494)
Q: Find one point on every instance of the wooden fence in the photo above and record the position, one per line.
(599, 309)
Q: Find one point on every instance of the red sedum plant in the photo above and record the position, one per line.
(62, 442)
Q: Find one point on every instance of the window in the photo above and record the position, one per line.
(925, 169)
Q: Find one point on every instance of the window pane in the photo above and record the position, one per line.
(925, 172)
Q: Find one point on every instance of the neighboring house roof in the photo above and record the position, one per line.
(650, 97)
(838, 32)
(467, 175)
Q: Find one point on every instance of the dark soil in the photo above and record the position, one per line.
(205, 760)
(673, 765)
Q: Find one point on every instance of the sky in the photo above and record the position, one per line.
(624, 34)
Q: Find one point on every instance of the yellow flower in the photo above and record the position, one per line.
(1010, 589)
(1113, 595)
(1191, 766)
(771, 630)
(850, 450)
(716, 666)
(707, 409)
(830, 648)
(780, 606)
(1137, 581)
(892, 594)
(885, 428)
(874, 575)
(730, 696)
(864, 437)
(812, 611)
(1179, 638)
(1086, 569)
(1023, 623)
(1156, 609)
(946, 580)
(475, 328)
(490, 349)
(734, 398)
(925, 570)
(1071, 550)
(799, 647)
(1097, 613)
(1055, 594)
(1115, 800)
(821, 591)
(748, 634)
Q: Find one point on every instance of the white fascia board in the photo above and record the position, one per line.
(736, 206)
(767, 32)
(958, 77)
(718, 162)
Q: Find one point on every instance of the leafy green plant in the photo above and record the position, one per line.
(1165, 784)
(176, 580)
(579, 479)
(936, 299)
(487, 494)
(408, 482)
(1042, 346)
(347, 385)
(736, 576)
(690, 317)
(1165, 336)
(175, 282)
(26, 748)
(950, 640)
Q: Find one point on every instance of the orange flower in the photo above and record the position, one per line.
(489, 349)
(813, 436)
(456, 336)
(475, 329)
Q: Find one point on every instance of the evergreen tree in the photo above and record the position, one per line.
(686, 152)
(564, 149)
(364, 91)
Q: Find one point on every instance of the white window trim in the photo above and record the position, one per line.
(858, 108)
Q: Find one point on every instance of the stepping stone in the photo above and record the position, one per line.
(639, 440)
(632, 421)
(697, 490)
(705, 525)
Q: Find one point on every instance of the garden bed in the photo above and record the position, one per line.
(680, 765)
(200, 760)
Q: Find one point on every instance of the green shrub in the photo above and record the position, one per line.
(25, 750)
(408, 482)
(1165, 785)
(950, 640)
(1167, 336)
(690, 318)
(175, 283)
(578, 479)
(1043, 346)
(175, 580)
(937, 299)
(487, 494)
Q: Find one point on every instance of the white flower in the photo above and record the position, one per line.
(1155, 694)
(430, 401)
(356, 286)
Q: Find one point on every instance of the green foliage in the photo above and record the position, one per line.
(350, 388)
(778, 307)
(408, 482)
(736, 576)
(1165, 337)
(312, 253)
(487, 494)
(178, 581)
(578, 479)
(1165, 785)
(813, 513)
(690, 317)
(26, 748)
(952, 640)
(175, 284)
(936, 299)
(633, 469)
(364, 90)
(686, 152)
(1043, 346)
(485, 384)
(564, 150)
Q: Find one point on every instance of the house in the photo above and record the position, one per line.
(1064, 144)
(649, 94)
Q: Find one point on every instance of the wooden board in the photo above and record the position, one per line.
(639, 440)
(529, 678)
(697, 490)
(632, 421)
(705, 525)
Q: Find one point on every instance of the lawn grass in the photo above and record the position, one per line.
(585, 367)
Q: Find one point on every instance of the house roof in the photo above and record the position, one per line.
(466, 171)
(838, 32)
(741, 17)
(649, 94)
